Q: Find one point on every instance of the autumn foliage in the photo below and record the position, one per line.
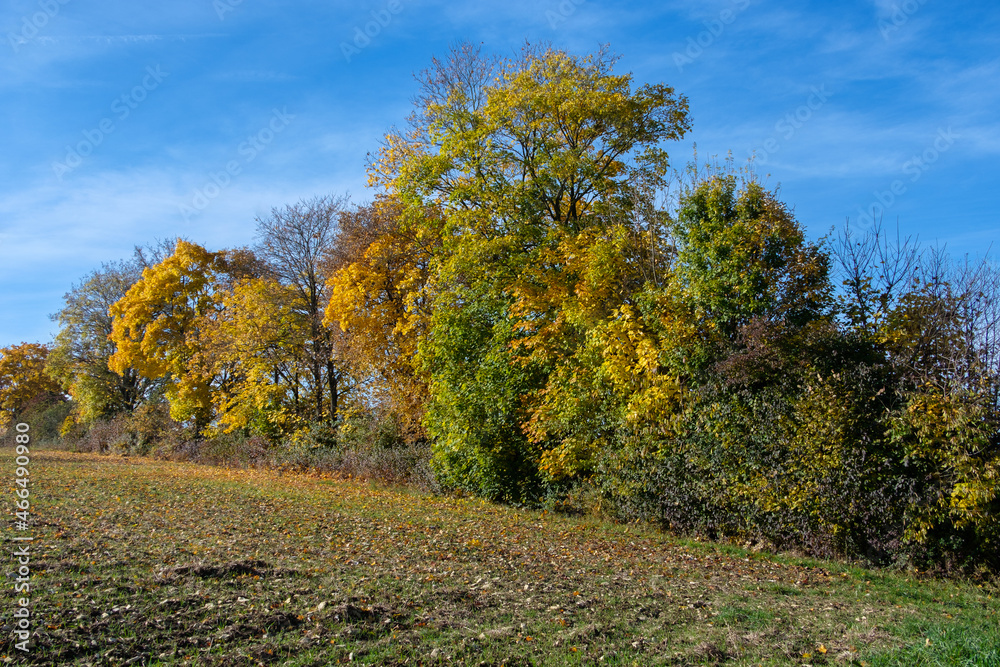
(24, 384)
(561, 317)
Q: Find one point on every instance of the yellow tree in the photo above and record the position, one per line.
(259, 343)
(23, 380)
(379, 272)
(526, 159)
(158, 324)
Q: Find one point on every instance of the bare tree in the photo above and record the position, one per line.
(939, 317)
(294, 241)
(875, 271)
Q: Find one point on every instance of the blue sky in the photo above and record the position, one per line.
(126, 123)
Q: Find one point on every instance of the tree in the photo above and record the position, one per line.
(378, 278)
(79, 357)
(157, 327)
(933, 322)
(543, 137)
(259, 341)
(295, 241)
(24, 383)
(523, 159)
(742, 257)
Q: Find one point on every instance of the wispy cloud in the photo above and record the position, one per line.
(127, 39)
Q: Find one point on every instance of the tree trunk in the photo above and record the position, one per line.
(331, 378)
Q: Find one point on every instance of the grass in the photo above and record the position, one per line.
(146, 562)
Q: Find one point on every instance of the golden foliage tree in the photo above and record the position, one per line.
(525, 162)
(23, 380)
(379, 273)
(259, 343)
(158, 326)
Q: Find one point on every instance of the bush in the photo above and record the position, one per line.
(104, 436)
(44, 415)
(477, 405)
(366, 445)
(136, 433)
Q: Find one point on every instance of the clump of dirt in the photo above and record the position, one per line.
(234, 569)
(711, 653)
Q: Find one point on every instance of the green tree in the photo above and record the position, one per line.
(521, 157)
(706, 363)
(932, 322)
(82, 348)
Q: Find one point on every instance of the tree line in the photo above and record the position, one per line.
(537, 297)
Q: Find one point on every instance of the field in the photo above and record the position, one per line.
(143, 562)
